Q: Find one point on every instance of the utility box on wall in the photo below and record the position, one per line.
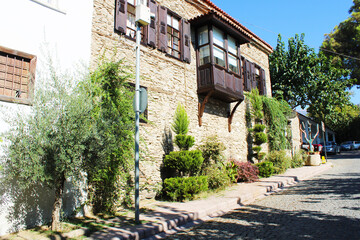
(142, 14)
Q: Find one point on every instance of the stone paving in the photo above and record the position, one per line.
(325, 207)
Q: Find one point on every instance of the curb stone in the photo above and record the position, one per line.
(168, 217)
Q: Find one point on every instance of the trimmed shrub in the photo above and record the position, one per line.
(261, 156)
(212, 151)
(181, 121)
(260, 138)
(280, 160)
(180, 189)
(298, 159)
(184, 142)
(186, 163)
(259, 127)
(266, 169)
(246, 172)
(256, 149)
(217, 177)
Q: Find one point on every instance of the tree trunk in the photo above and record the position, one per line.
(55, 219)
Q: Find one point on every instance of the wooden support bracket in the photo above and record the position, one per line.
(202, 106)
(232, 114)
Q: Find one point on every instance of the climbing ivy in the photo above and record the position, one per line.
(276, 114)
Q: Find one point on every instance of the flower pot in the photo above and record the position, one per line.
(313, 160)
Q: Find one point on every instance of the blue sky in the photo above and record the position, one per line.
(268, 18)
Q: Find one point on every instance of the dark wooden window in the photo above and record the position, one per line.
(167, 31)
(130, 23)
(203, 45)
(173, 35)
(17, 75)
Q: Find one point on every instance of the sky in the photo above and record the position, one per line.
(268, 18)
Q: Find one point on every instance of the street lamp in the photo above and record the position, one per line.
(142, 19)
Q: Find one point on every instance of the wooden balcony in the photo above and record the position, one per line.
(220, 83)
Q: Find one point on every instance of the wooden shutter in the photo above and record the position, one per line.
(253, 76)
(152, 27)
(263, 82)
(162, 29)
(185, 41)
(247, 75)
(121, 16)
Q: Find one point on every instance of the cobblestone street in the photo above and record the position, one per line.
(325, 207)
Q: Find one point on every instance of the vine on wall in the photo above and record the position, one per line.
(275, 114)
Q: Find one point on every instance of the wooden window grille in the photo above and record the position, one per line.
(17, 75)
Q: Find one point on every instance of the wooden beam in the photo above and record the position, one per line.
(232, 114)
(202, 106)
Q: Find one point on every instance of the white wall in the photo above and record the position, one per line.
(64, 36)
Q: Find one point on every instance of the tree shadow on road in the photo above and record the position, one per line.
(344, 186)
(256, 222)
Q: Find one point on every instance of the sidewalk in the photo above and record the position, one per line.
(171, 215)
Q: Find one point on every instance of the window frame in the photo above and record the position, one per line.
(31, 78)
(171, 50)
(133, 30)
(224, 49)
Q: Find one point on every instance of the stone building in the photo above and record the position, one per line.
(194, 54)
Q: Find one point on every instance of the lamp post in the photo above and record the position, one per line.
(142, 18)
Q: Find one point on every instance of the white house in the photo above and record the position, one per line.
(32, 31)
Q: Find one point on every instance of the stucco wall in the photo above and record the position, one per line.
(169, 83)
(64, 37)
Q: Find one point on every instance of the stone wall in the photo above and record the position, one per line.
(295, 134)
(170, 82)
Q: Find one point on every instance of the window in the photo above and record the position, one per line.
(17, 73)
(218, 37)
(167, 31)
(219, 56)
(130, 23)
(257, 79)
(225, 49)
(204, 55)
(173, 35)
(233, 55)
(203, 43)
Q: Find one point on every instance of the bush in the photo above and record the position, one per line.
(181, 121)
(259, 127)
(246, 172)
(266, 169)
(212, 150)
(261, 156)
(217, 177)
(186, 163)
(231, 170)
(180, 189)
(256, 149)
(298, 159)
(280, 160)
(260, 138)
(184, 142)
